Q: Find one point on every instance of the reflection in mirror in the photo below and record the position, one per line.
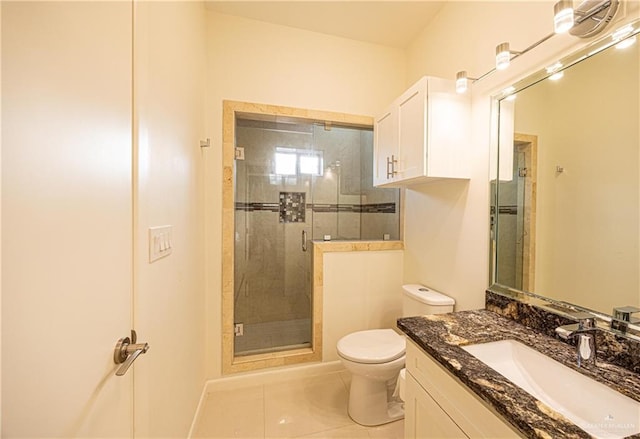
(565, 210)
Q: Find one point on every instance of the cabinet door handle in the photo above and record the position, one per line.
(391, 162)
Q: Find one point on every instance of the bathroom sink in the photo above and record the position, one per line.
(594, 407)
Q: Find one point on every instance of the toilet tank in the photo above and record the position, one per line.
(418, 300)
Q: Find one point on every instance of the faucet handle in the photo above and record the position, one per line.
(585, 320)
(622, 317)
(580, 315)
(624, 312)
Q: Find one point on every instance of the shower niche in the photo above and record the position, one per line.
(294, 180)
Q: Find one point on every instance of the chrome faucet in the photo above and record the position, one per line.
(622, 317)
(585, 333)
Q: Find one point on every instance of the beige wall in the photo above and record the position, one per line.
(169, 61)
(257, 62)
(446, 223)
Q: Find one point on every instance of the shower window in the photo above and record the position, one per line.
(291, 161)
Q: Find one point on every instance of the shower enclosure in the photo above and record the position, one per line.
(296, 181)
(515, 246)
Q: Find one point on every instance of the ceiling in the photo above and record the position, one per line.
(390, 23)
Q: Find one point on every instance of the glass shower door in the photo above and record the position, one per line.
(273, 217)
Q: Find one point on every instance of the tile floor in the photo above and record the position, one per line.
(310, 407)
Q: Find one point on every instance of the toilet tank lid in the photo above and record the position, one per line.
(427, 295)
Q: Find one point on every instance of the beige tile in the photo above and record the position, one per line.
(393, 430)
(306, 406)
(354, 431)
(346, 378)
(233, 413)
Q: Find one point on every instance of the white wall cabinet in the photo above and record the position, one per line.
(423, 135)
(438, 405)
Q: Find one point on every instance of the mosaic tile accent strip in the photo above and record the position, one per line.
(378, 208)
(322, 208)
(250, 207)
(292, 207)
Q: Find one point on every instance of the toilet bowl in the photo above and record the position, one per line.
(375, 358)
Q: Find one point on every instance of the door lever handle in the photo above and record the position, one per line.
(126, 352)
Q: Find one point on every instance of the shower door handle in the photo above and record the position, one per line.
(304, 240)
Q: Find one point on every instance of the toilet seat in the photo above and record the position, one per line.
(372, 346)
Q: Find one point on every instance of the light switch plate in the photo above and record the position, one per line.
(160, 242)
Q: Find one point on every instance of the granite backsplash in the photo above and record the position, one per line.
(612, 348)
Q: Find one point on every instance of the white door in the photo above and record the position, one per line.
(66, 218)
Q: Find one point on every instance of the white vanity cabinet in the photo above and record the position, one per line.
(438, 405)
(423, 135)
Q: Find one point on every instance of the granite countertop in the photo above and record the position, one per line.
(442, 335)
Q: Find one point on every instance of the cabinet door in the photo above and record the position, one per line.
(423, 416)
(412, 125)
(447, 132)
(385, 146)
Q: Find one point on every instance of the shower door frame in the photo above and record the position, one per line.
(231, 109)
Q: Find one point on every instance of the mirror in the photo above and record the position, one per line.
(566, 194)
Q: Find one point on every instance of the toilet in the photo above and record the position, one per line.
(375, 358)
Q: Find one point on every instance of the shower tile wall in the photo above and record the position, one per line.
(340, 183)
(348, 183)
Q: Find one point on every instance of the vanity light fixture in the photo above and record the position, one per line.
(585, 20)
(592, 16)
(462, 81)
(563, 16)
(503, 55)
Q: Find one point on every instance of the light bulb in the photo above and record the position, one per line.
(622, 32)
(556, 76)
(562, 16)
(503, 56)
(626, 42)
(554, 68)
(462, 82)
